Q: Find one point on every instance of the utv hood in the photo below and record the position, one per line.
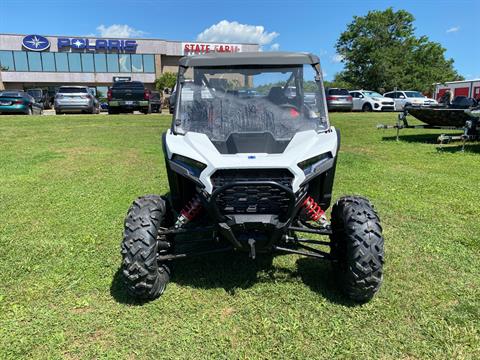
(303, 146)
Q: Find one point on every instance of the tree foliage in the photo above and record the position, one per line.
(380, 52)
(166, 81)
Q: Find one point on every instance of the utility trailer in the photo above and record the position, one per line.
(441, 119)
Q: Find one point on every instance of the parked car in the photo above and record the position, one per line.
(171, 100)
(412, 98)
(365, 100)
(128, 96)
(156, 101)
(310, 99)
(76, 99)
(104, 106)
(19, 102)
(338, 99)
(41, 96)
(463, 102)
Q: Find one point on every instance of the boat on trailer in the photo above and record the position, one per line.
(440, 116)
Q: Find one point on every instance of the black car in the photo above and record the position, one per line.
(463, 102)
(155, 101)
(41, 96)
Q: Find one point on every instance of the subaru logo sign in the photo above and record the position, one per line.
(35, 43)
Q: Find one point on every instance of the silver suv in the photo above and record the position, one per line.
(76, 99)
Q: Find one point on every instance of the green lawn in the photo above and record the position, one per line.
(66, 183)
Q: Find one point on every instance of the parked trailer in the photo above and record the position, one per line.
(469, 88)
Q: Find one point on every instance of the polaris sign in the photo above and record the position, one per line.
(35, 43)
(97, 45)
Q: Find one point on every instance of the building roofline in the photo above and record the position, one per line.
(455, 82)
(131, 38)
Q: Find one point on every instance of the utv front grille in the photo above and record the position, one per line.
(255, 198)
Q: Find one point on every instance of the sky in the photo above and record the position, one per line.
(311, 26)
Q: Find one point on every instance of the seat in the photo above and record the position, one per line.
(277, 96)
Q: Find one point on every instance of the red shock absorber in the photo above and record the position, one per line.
(313, 211)
(189, 211)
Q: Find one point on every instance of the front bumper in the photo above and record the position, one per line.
(383, 106)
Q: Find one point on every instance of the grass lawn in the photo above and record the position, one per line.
(66, 183)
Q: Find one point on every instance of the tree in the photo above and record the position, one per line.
(166, 81)
(380, 52)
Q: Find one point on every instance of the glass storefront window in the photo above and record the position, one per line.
(20, 58)
(102, 92)
(137, 63)
(112, 62)
(74, 62)
(148, 63)
(61, 60)
(6, 61)
(48, 61)
(125, 63)
(34, 61)
(87, 63)
(100, 63)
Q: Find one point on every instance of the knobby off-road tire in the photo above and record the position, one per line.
(143, 276)
(357, 245)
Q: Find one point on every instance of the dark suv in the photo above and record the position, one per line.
(156, 101)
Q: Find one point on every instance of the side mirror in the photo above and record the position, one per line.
(402, 97)
(361, 96)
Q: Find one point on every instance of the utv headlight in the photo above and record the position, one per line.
(313, 164)
(194, 167)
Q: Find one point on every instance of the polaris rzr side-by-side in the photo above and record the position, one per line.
(251, 159)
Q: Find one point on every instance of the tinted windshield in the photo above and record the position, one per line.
(220, 101)
(372, 94)
(414, 94)
(127, 84)
(338, 92)
(72, 90)
(35, 93)
(11, 94)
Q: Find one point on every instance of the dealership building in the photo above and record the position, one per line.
(39, 61)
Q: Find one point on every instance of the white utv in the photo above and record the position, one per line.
(250, 165)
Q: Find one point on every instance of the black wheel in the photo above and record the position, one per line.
(367, 107)
(144, 276)
(357, 247)
(112, 112)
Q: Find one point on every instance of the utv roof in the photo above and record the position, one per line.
(249, 58)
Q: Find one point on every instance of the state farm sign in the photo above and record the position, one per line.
(205, 48)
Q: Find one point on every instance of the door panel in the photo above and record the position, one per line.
(461, 91)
